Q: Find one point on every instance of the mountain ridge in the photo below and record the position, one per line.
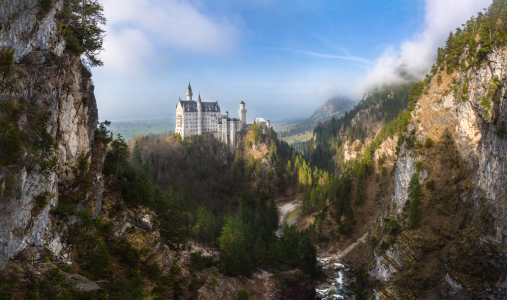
(334, 107)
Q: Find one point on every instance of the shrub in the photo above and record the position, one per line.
(44, 7)
(151, 271)
(430, 185)
(200, 262)
(40, 202)
(242, 295)
(128, 254)
(374, 242)
(55, 284)
(384, 246)
(248, 144)
(10, 137)
(377, 178)
(127, 289)
(6, 60)
(392, 226)
(100, 262)
(418, 166)
(429, 143)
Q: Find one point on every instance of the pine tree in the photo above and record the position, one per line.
(280, 252)
(273, 215)
(307, 256)
(288, 169)
(83, 22)
(120, 151)
(259, 252)
(137, 159)
(415, 204)
(256, 132)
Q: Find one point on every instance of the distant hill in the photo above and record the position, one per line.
(334, 107)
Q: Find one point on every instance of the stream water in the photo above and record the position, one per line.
(333, 288)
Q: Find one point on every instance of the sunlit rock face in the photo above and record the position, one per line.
(63, 91)
(26, 27)
(482, 151)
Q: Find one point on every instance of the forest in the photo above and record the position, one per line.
(194, 184)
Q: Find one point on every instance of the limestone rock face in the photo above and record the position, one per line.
(482, 151)
(70, 98)
(26, 27)
(405, 168)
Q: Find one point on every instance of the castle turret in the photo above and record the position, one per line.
(199, 115)
(242, 114)
(189, 92)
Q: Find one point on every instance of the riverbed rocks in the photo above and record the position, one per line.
(338, 278)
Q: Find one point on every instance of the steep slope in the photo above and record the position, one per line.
(53, 111)
(463, 222)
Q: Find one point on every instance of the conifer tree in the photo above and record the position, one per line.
(120, 151)
(259, 252)
(83, 33)
(273, 215)
(280, 252)
(137, 159)
(307, 256)
(256, 132)
(288, 169)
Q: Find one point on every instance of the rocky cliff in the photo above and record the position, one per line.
(460, 245)
(44, 81)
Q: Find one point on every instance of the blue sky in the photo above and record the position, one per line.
(283, 58)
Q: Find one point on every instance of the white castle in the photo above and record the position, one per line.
(196, 118)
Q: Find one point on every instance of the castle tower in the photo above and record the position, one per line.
(268, 125)
(224, 129)
(189, 92)
(242, 114)
(199, 115)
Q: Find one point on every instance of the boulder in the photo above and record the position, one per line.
(83, 284)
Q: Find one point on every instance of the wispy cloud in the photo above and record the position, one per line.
(324, 55)
(353, 39)
(332, 45)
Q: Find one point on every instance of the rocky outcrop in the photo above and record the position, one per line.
(29, 29)
(82, 284)
(473, 134)
(27, 25)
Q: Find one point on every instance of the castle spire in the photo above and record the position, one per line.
(189, 92)
(199, 100)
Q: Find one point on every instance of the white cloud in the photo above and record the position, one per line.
(136, 27)
(418, 54)
(125, 49)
